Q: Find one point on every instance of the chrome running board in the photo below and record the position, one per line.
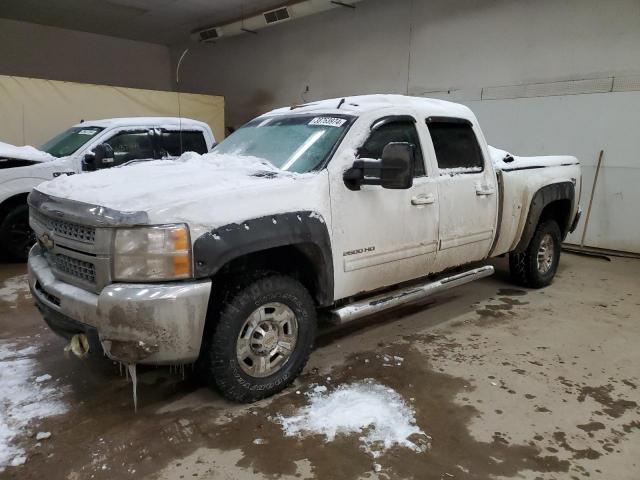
(403, 296)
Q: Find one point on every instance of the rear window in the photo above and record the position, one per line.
(192, 141)
(456, 146)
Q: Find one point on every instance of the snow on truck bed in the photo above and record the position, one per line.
(24, 153)
(515, 162)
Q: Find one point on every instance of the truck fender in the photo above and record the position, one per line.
(303, 229)
(542, 198)
(19, 186)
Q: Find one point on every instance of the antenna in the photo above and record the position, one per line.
(178, 91)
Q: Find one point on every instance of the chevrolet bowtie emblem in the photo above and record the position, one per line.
(46, 241)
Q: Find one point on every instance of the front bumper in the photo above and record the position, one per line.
(159, 323)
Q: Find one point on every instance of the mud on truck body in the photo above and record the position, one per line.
(228, 261)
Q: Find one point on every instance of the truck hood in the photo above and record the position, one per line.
(204, 191)
(503, 160)
(12, 156)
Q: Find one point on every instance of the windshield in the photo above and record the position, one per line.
(70, 141)
(297, 143)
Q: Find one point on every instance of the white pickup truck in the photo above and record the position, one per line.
(335, 209)
(123, 140)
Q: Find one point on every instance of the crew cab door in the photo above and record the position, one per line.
(381, 236)
(128, 145)
(467, 191)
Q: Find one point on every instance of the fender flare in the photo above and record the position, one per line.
(12, 200)
(543, 197)
(304, 230)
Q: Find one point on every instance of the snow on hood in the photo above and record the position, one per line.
(504, 160)
(202, 190)
(24, 153)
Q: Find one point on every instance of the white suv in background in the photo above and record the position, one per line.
(87, 146)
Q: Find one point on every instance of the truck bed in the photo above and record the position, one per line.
(519, 178)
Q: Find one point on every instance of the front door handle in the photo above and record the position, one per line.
(484, 190)
(423, 199)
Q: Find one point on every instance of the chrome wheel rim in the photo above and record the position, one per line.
(267, 339)
(545, 254)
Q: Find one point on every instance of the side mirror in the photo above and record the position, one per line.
(102, 157)
(394, 170)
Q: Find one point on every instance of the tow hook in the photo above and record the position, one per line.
(128, 351)
(78, 345)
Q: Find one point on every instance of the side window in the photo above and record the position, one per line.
(131, 145)
(456, 146)
(192, 141)
(393, 132)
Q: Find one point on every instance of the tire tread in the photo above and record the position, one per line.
(240, 296)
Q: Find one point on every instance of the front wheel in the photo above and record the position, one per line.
(537, 265)
(16, 236)
(262, 339)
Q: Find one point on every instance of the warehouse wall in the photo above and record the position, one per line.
(31, 50)
(462, 51)
(417, 47)
(33, 110)
(581, 125)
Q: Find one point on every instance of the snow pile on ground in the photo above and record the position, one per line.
(505, 160)
(24, 153)
(378, 414)
(13, 287)
(22, 399)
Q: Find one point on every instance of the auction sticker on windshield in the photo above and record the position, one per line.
(328, 121)
(87, 132)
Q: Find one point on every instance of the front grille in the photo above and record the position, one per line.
(76, 268)
(73, 231)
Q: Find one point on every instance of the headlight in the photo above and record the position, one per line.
(156, 253)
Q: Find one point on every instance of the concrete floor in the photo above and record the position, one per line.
(508, 383)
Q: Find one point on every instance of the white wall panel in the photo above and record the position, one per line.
(581, 125)
(560, 56)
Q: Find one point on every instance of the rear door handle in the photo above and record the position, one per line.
(423, 199)
(484, 190)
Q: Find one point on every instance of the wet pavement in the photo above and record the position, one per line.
(507, 383)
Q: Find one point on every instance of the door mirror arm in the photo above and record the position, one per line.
(355, 176)
(394, 170)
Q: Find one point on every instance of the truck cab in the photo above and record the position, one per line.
(73, 151)
(331, 210)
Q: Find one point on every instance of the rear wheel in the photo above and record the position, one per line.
(262, 339)
(16, 236)
(537, 265)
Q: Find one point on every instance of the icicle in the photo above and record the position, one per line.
(182, 368)
(134, 379)
(120, 368)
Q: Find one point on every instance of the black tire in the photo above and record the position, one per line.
(220, 360)
(16, 237)
(524, 266)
